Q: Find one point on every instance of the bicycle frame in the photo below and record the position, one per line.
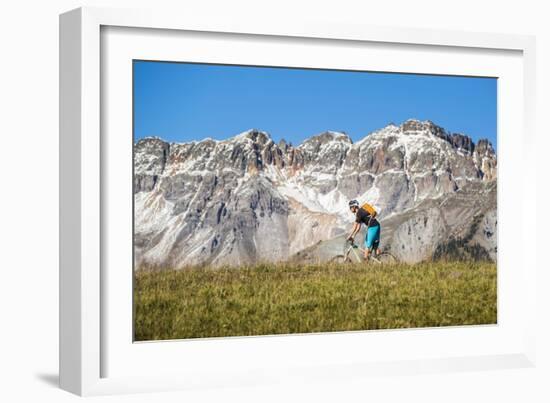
(382, 257)
(353, 248)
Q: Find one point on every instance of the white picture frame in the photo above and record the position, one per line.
(84, 311)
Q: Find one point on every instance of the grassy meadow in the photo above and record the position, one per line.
(286, 298)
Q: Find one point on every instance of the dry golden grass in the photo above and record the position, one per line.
(286, 298)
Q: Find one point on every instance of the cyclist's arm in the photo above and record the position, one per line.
(355, 230)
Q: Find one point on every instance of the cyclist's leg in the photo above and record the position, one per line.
(366, 245)
(373, 235)
(376, 247)
(376, 243)
(373, 239)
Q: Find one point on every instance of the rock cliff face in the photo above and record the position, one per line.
(247, 199)
(459, 225)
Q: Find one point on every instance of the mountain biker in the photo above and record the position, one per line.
(362, 216)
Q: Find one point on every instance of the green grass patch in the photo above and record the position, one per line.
(286, 298)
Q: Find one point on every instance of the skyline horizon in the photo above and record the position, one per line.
(271, 136)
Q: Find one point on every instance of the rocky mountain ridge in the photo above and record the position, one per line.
(247, 199)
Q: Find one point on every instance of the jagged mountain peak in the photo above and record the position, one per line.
(326, 139)
(150, 139)
(329, 135)
(250, 135)
(253, 135)
(411, 129)
(459, 141)
(484, 147)
(412, 126)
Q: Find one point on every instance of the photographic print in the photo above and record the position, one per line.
(272, 200)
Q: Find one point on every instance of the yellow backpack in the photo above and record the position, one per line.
(369, 209)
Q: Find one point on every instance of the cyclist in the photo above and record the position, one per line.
(365, 215)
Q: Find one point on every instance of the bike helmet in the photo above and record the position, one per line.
(353, 203)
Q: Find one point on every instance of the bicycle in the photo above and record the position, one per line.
(353, 253)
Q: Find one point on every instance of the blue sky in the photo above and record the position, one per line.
(181, 101)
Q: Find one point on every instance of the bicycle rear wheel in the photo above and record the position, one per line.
(384, 258)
